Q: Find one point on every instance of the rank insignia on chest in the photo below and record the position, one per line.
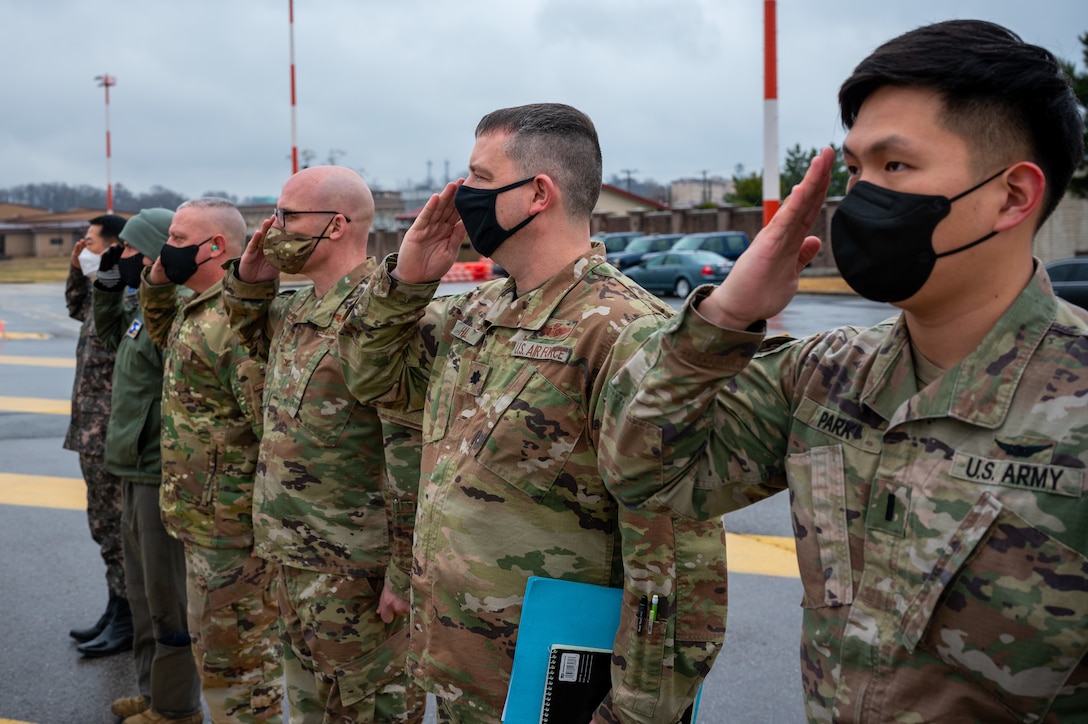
(134, 329)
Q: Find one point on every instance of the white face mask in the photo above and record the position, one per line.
(88, 263)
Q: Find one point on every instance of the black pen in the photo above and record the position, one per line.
(641, 614)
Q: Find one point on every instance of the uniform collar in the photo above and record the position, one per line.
(980, 388)
(532, 310)
(322, 312)
(212, 292)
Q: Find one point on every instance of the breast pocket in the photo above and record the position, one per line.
(1007, 606)
(820, 525)
(322, 404)
(533, 430)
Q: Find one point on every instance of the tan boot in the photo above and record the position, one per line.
(129, 706)
(150, 716)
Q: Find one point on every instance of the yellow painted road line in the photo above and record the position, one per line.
(12, 721)
(42, 491)
(764, 555)
(10, 359)
(35, 404)
(22, 335)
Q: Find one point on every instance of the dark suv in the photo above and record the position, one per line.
(616, 240)
(729, 244)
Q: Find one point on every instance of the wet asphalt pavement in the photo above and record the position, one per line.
(52, 579)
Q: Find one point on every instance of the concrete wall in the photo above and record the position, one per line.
(1065, 233)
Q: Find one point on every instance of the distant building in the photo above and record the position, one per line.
(31, 231)
(686, 193)
(614, 200)
(387, 204)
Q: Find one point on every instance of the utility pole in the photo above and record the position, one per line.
(105, 81)
(706, 188)
(294, 124)
(627, 172)
(770, 111)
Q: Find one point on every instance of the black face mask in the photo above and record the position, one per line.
(882, 240)
(179, 262)
(130, 269)
(477, 210)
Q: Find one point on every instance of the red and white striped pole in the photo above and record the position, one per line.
(770, 111)
(105, 81)
(294, 130)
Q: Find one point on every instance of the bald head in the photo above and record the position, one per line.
(332, 188)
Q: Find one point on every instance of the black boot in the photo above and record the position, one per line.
(115, 638)
(84, 635)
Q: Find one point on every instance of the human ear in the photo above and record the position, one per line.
(545, 193)
(1025, 186)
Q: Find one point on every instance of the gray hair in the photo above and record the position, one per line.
(226, 217)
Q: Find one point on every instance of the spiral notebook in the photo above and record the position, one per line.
(577, 681)
(562, 615)
(578, 615)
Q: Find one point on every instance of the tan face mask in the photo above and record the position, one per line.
(288, 251)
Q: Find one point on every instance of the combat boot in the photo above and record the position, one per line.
(83, 635)
(150, 716)
(115, 638)
(129, 706)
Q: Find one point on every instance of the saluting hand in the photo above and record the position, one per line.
(76, 248)
(157, 275)
(431, 246)
(253, 267)
(764, 278)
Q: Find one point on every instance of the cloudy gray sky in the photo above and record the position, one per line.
(202, 97)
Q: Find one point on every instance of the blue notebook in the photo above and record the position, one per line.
(559, 612)
(556, 612)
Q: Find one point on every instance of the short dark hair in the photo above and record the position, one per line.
(1001, 95)
(111, 225)
(557, 140)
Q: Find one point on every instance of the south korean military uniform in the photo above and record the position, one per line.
(211, 431)
(509, 386)
(325, 509)
(941, 525)
(87, 431)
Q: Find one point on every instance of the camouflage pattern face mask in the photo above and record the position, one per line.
(288, 251)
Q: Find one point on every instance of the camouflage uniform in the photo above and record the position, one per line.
(324, 509)
(942, 533)
(210, 435)
(509, 387)
(87, 430)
